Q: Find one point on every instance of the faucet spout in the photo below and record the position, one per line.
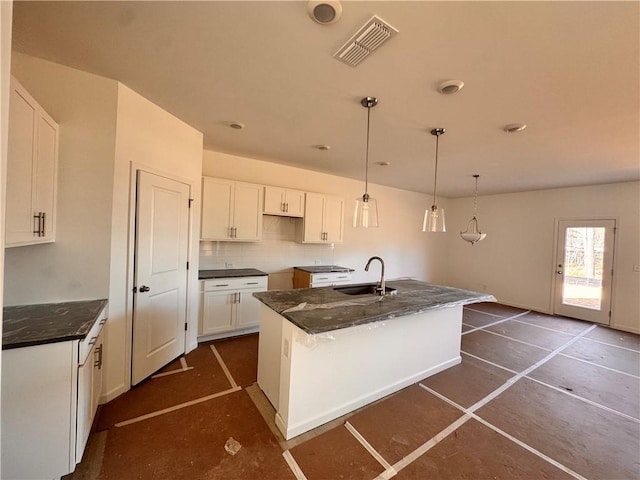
(381, 286)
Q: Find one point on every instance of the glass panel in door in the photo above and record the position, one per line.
(584, 269)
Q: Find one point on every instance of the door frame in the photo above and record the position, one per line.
(134, 167)
(614, 266)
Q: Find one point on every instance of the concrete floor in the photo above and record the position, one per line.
(535, 396)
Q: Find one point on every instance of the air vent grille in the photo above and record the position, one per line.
(373, 34)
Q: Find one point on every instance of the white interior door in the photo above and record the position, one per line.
(584, 269)
(160, 273)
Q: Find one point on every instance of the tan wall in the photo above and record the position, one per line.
(515, 262)
(156, 141)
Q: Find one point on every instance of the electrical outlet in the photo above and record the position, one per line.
(285, 348)
(317, 262)
(228, 265)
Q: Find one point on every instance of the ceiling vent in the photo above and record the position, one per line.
(373, 34)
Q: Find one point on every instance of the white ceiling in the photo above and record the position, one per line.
(569, 70)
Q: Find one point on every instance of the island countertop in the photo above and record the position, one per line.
(29, 325)
(323, 309)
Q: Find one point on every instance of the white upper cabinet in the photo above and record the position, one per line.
(231, 211)
(283, 201)
(32, 161)
(323, 219)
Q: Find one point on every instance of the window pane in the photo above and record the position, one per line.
(584, 249)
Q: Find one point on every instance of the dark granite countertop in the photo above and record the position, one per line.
(230, 273)
(28, 325)
(320, 310)
(325, 269)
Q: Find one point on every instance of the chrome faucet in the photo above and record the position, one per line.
(381, 290)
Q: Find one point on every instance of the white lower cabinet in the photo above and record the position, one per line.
(227, 304)
(50, 395)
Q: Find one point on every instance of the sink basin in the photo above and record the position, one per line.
(364, 289)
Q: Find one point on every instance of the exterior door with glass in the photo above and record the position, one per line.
(584, 269)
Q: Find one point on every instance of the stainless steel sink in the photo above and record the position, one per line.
(365, 289)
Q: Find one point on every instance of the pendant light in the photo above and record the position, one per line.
(365, 214)
(472, 234)
(434, 216)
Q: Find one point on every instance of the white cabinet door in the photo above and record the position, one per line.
(89, 388)
(274, 200)
(247, 212)
(283, 202)
(248, 309)
(218, 311)
(31, 171)
(46, 176)
(323, 219)
(333, 219)
(314, 218)
(294, 203)
(231, 211)
(217, 206)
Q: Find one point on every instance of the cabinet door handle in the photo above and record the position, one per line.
(286, 207)
(282, 206)
(98, 362)
(239, 297)
(38, 229)
(44, 219)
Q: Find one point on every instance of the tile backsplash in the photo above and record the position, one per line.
(276, 254)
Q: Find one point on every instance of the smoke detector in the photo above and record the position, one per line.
(325, 12)
(367, 39)
(450, 87)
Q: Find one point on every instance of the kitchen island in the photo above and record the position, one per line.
(323, 353)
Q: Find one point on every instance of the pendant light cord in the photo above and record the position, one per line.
(366, 164)
(435, 177)
(475, 198)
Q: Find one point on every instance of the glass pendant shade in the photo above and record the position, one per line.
(473, 234)
(434, 220)
(434, 217)
(365, 214)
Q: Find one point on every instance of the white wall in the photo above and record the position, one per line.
(76, 266)
(515, 262)
(148, 138)
(399, 240)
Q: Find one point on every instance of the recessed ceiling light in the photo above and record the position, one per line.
(322, 147)
(450, 86)
(236, 125)
(514, 127)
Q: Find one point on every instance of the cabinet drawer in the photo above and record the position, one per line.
(332, 278)
(85, 346)
(235, 283)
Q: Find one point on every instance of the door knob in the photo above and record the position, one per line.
(559, 272)
(144, 288)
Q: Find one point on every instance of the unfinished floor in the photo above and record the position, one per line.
(535, 397)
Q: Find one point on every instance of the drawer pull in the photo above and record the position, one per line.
(93, 340)
(251, 283)
(222, 285)
(103, 321)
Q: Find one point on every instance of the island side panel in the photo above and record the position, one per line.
(328, 375)
(269, 353)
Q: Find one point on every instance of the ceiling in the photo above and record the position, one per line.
(569, 70)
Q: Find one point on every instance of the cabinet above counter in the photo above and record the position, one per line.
(232, 212)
